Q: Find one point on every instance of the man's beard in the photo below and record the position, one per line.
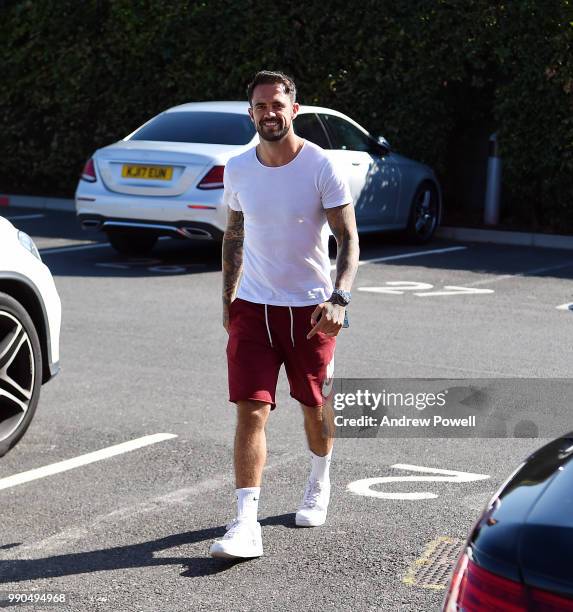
(272, 135)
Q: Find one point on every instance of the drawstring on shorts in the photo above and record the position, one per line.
(267, 323)
(269, 329)
(291, 326)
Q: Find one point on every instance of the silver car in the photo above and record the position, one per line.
(166, 178)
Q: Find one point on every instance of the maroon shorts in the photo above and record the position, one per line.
(262, 338)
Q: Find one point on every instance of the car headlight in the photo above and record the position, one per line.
(28, 244)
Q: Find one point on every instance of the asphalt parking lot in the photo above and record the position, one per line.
(142, 353)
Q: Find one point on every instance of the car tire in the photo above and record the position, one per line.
(20, 371)
(132, 243)
(425, 213)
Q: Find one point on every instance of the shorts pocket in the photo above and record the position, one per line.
(232, 307)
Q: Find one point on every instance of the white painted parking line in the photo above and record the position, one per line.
(69, 464)
(22, 217)
(67, 249)
(363, 487)
(399, 287)
(456, 290)
(363, 262)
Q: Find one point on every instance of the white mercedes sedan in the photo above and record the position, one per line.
(166, 178)
(30, 317)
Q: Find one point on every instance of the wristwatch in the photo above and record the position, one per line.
(340, 297)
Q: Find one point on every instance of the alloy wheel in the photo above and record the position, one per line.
(426, 214)
(17, 373)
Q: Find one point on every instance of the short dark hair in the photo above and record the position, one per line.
(267, 77)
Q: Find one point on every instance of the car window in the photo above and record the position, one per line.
(308, 126)
(198, 126)
(345, 135)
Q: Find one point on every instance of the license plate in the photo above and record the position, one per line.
(153, 173)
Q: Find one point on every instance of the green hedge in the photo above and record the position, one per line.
(80, 74)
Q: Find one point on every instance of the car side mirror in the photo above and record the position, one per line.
(382, 141)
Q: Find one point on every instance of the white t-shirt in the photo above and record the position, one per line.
(285, 251)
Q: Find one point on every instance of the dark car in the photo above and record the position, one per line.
(519, 555)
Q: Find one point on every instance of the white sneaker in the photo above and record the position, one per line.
(312, 511)
(242, 541)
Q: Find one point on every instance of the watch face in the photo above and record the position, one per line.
(340, 297)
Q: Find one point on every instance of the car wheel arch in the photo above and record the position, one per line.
(433, 183)
(27, 294)
(430, 180)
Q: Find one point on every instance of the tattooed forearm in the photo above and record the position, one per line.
(343, 225)
(232, 254)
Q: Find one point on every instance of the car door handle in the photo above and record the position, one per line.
(356, 163)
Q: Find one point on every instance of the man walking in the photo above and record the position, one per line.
(282, 197)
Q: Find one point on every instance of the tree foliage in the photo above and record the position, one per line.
(80, 74)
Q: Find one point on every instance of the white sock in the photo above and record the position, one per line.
(320, 467)
(248, 503)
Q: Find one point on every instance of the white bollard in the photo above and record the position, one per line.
(493, 185)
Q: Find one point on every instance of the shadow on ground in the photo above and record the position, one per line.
(134, 555)
(174, 257)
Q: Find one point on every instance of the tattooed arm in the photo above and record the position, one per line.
(343, 225)
(232, 260)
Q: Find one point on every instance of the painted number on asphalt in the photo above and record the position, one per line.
(364, 486)
(398, 287)
(422, 289)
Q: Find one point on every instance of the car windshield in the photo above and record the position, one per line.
(198, 126)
